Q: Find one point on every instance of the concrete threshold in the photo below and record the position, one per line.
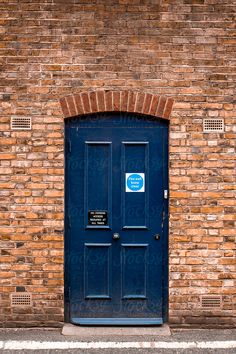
(87, 331)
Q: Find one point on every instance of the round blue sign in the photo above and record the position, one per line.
(135, 182)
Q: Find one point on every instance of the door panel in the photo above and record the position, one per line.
(97, 265)
(135, 158)
(134, 271)
(98, 179)
(116, 173)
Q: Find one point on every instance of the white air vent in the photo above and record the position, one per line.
(211, 302)
(213, 125)
(21, 123)
(21, 299)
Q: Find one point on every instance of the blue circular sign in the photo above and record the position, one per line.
(135, 182)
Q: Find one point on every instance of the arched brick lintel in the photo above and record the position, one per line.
(116, 101)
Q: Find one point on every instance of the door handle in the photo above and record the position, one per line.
(157, 237)
(116, 236)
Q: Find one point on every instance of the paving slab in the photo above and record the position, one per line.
(87, 331)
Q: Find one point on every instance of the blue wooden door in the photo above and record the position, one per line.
(116, 220)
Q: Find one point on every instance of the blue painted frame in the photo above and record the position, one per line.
(165, 245)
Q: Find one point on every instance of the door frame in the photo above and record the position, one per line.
(158, 106)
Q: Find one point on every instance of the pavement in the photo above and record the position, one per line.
(49, 340)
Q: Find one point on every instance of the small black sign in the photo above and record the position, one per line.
(97, 217)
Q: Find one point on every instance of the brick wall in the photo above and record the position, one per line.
(182, 49)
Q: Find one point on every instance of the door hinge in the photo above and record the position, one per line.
(68, 145)
(69, 221)
(163, 219)
(165, 194)
(69, 293)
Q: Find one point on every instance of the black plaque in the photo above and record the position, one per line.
(97, 217)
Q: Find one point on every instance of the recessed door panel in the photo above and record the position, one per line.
(97, 269)
(98, 183)
(116, 220)
(134, 271)
(135, 206)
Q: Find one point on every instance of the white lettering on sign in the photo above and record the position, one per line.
(135, 182)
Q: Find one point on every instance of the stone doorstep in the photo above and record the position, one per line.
(87, 331)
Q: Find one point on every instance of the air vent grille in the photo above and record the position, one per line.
(213, 125)
(21, 123)
(21, 299)
(211, 302)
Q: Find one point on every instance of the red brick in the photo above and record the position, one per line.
(168, 108)
(108, 101)
(160, 107)
(85, 101)
(151, 55)
(139, 102)
(124, 100)
(93, 102)
(79, 105)
(116, 100)
(131, 101)
(154, 104)
(101, 101)
(71, 106)
(64, 107)
(147, 103)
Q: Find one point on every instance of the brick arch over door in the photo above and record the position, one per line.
(116, 101)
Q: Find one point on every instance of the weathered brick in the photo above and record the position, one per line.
(154, 104)
(131, 101)
(139, 102)
(79, 105)
(64, 107)
(124, 100)
(147, 103)
(71, 106)
(187, 55)
(168, 108)
(108, 101)
(85, 101)
(160, 106)
(101, 101)
(93, 101)
(116, 100)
